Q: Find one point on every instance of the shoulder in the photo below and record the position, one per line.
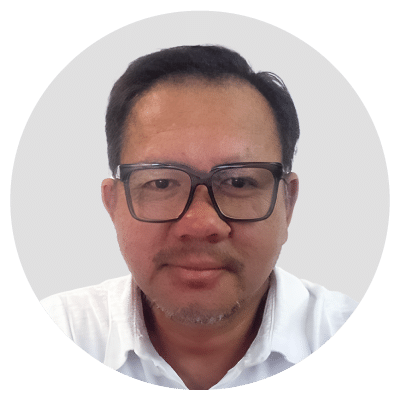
(323, 311)
(314, 295)
(83, 314)
(86, 298)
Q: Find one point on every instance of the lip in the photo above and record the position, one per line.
(198, 258)
(195, 273)
(195, 277)
(198, 265)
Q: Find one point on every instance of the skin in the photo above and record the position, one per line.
(201, 266)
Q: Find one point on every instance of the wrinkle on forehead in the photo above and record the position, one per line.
(152, 104)
(199, 105)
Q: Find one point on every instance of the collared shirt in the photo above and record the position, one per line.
(107, 321)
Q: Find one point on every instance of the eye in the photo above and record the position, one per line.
(239, 183)
(162, 183)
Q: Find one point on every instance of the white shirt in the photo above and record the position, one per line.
(107, 321)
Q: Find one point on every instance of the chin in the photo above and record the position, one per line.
(196, 314)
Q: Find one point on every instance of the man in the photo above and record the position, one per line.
(202, 194)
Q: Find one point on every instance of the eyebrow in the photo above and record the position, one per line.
(227, 160)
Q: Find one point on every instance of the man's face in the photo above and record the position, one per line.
(200, 266)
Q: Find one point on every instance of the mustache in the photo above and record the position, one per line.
(173, 255)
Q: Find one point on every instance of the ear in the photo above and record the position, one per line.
(109, 195)
(291, 193)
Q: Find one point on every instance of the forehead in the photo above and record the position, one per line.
(230, 115)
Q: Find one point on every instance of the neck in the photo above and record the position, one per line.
(202, 354)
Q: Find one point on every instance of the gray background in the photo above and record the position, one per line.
(64, 236)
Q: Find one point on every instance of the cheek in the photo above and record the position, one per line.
(138, 242)
(138, 245)
(260, 242)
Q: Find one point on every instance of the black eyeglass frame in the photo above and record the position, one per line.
(198, 178)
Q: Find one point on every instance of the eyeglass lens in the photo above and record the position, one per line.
(162, 193)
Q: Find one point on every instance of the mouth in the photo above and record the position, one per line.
(197, 264)
(197, 276)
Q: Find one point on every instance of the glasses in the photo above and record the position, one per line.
(163, 192)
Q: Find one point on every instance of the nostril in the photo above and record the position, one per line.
(213, 238)
(185, 238)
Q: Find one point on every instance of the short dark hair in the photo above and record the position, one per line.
(213, 63)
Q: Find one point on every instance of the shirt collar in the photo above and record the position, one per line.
(290, 318)
(127, 327)
(282, 329)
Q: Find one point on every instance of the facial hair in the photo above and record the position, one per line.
(195, 313)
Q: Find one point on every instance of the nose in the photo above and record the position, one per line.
(201, 221)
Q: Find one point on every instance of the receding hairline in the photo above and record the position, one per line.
(194, 79)
(209, 63)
